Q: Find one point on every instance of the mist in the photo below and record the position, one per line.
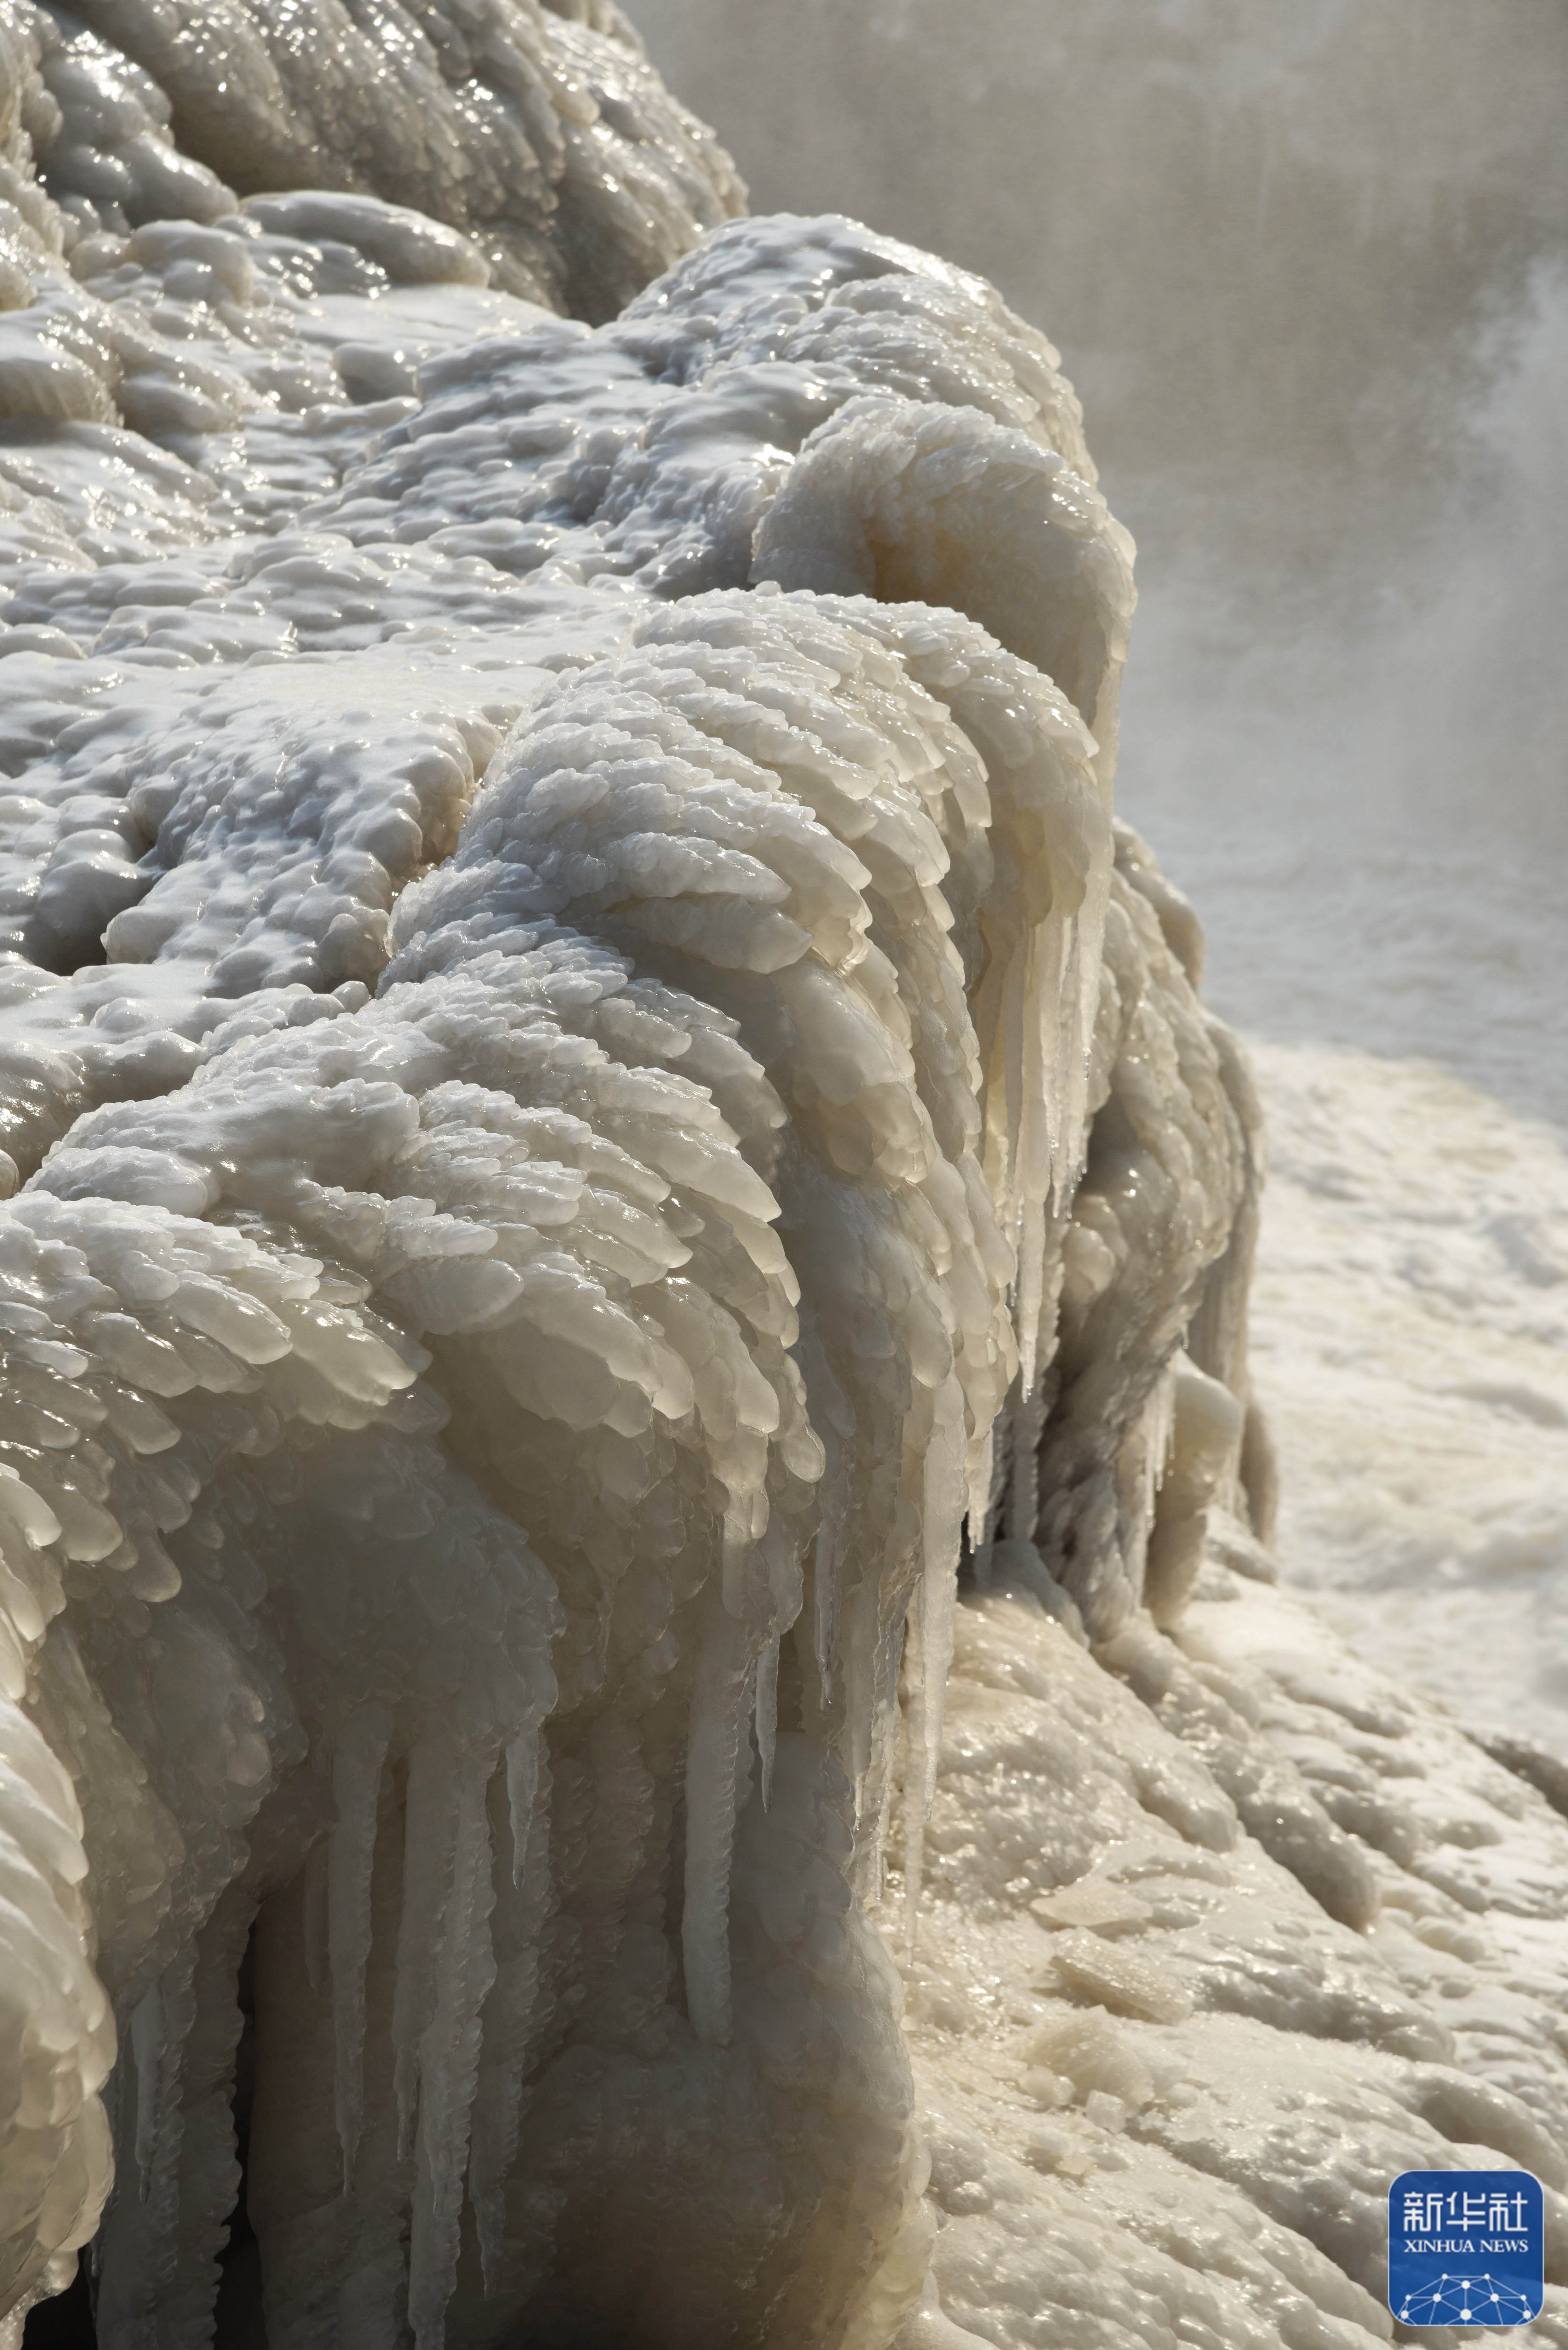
(1308, 268)
(1308, 265)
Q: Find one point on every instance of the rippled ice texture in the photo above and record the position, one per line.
(593, 1100)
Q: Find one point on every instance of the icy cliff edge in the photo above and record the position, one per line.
(594, 1105)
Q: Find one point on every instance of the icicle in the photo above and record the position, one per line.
(943, 1518)
(357, 1766)
(1158, 1435)
(1014, 1041)
(523, 1763)
(317, 1961)
(833, 1420)
(978, 1501)
(464, 1971)
(1033, 1149)
(1088, 951)
(929, 1636)
(861, 1640)
(523, 1900)
(430, 1843)
(824, 1597)
(142, 2234)
(915, 1743)
(711, 1753)
(885, 1720)
(148, 2025)
(745, 1739)
(203, 2178)
(1023, 1503)
(767, 1715)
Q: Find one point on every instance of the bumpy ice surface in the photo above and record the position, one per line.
(593, 1096)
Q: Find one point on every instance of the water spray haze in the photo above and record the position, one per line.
(643, 1697)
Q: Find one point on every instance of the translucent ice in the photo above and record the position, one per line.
(593, 1100)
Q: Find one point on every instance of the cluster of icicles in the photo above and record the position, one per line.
(477, 1456)
(729, 1340)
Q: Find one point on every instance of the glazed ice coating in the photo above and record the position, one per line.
(595, 1102)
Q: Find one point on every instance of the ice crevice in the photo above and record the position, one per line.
(594, 1100)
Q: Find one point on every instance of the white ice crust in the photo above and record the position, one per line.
(591, 1095)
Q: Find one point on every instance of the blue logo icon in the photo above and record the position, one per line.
(1466, 2248)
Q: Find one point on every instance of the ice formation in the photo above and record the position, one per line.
(593, 1101)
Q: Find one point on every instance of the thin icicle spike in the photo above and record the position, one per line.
(916, 1748)
(767, 1715)
(462, 1972)
(718, 1717)
(318, 1964)
(358, 1762)
(148, 2034)
(510, 2018)
(430, 1852)
(943, 1516)
(824, 1585)
(521, 1795)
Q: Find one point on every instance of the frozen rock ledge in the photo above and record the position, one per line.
(635, 1627)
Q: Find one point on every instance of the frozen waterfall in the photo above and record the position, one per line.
(642, 1697)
